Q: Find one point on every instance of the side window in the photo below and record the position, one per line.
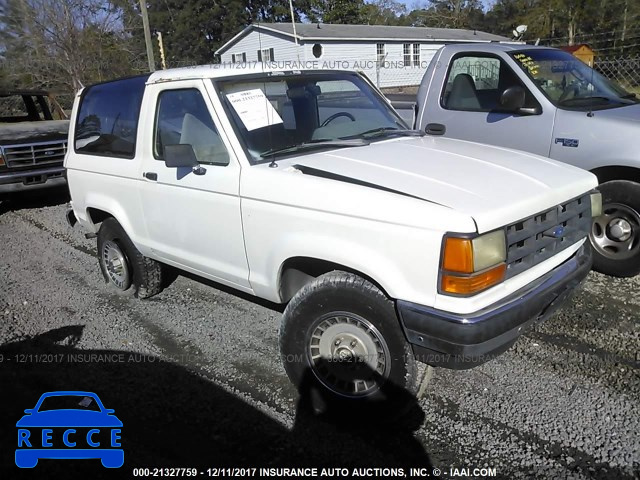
(476, 83)
(107, 122)
(182, 118)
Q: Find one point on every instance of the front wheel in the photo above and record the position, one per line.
(342, 344)
(122, 264)
(615, 235)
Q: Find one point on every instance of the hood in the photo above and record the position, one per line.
(495, 186)
(27, 132)
(629, 113)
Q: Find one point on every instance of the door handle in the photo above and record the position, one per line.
(435, 129)
(150, 176)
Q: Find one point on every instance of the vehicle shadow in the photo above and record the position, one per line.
(48, 197)
(175, 417)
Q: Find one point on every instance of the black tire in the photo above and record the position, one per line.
(620, 200)
(144, 275)
(347, 300)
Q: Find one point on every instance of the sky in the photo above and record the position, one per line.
(411, 4)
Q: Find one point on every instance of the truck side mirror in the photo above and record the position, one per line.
(512, 99)
(181, 155)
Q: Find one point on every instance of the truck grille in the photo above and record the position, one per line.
(541, 236)
(34, 154)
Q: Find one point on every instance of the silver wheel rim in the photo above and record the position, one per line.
(348, 354)
(616, 233)
(116, 265)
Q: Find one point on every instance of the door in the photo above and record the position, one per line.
(192, 215)
(466, 105)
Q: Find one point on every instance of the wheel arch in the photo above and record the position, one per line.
(616, 172)
(296, 272)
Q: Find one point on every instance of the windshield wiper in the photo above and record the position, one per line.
(587, 100)
(388, 132)
(356, 142)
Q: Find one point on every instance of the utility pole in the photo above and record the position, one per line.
(163, 60)
(147, 35)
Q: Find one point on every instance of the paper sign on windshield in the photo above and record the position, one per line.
(254, 109)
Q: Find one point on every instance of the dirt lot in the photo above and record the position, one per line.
(195, 376)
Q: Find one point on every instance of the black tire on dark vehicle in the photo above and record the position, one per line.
(123, 266)
(343, 347)
(615, 235)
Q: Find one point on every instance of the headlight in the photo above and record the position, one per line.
(596, 204)
(471, 265)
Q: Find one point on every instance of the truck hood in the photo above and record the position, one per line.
(27, 132)
(495, 186)
(629, 113)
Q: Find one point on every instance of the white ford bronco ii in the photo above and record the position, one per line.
(306, 188)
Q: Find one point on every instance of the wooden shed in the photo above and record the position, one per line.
(581, 51)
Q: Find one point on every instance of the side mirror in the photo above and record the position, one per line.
(109, 411)
(181, 155)
(512, 99)
(29, 411)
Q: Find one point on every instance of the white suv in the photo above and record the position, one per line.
(306, 188)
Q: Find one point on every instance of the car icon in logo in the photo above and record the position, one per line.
(69, 425)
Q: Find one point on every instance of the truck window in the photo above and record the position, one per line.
(107, 122)
(182, 118)
(475, 83)
(21, 108)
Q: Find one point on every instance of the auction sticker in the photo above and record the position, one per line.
(254, 109)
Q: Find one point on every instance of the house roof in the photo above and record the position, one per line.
(573, 48)
(333, 32)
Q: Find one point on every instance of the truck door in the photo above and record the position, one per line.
(464, 102)
(192, 215)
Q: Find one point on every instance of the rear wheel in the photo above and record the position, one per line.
(123, 266)
(342, 344)
(615, 235)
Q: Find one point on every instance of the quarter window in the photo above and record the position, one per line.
(107, 122)
(182, 117)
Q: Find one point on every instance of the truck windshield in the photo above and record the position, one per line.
(570, 83)
(299, 113)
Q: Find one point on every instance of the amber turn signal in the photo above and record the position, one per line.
(470, 284)
(458, 255)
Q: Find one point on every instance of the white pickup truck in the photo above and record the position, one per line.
(545, 101)
(306, 188)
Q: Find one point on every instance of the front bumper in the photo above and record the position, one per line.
(24, 180)
(462, 341)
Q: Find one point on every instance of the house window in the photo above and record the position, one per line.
(380, 52)
(266, 55)
(416, 54)
(406, 50)
(239, 57)
(317, 50)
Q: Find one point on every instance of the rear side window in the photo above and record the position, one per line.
(107, 121)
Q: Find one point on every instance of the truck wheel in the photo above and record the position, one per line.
(615, 235)
(123, 266)
(342, 345)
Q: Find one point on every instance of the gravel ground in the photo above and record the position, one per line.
(194, 374)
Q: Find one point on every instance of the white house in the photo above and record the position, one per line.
(390, 56)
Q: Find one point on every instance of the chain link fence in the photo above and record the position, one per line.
(624, 70)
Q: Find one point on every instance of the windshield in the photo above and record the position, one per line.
(569, 83)
(297, 113)
(69, 402)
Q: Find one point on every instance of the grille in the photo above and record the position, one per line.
(35, 154)
(541, 236)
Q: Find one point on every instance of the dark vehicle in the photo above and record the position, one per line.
(33, 141)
